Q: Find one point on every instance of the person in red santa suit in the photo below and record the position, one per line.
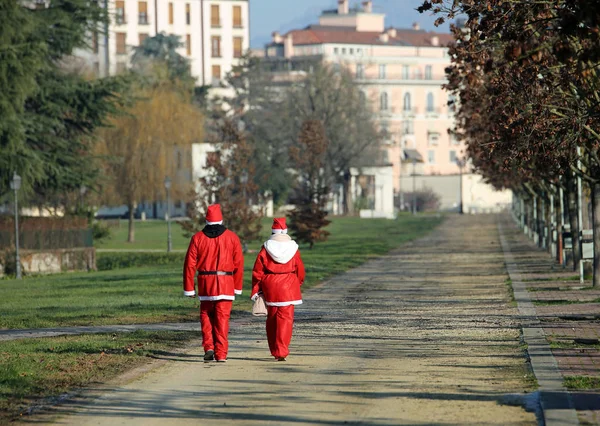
(215, 254)
(278, 274)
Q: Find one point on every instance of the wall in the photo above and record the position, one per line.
(478, 197)
(53, 261)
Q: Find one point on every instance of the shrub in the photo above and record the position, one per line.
(427, 200)
(110, 261)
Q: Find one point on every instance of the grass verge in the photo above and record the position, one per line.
(563, 302)
(36, 369)
(153, 293)
(582, 383)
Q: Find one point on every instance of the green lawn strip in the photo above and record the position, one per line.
(511, 292)
(570, 344)
(563, 302)
(152, 293)
(577, 288)
(33, 369)
(582, 383)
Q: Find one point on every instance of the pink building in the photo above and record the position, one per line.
(400, 70)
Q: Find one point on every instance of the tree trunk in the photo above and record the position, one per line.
(596, 228)
(573, 220)
(347, 196)
(131, 234)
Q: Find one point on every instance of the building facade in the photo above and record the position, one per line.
(214, 33)
(401, 72)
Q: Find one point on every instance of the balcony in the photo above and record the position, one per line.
(399, 78)
(120, 17)
(143, 19)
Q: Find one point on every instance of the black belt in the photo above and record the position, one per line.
(214, 273)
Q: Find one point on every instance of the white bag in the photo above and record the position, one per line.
(259, 308)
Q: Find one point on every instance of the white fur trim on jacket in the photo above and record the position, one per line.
(215, 223)
(237, 291)
(293, 302)
(189, 293)
(213, 298)
(279, 231)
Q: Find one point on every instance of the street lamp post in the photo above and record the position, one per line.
(460, 163)
(15, 185)
(414, 197)
(168, 188)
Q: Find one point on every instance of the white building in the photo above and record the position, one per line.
(215, 34)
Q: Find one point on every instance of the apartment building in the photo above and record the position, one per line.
(215, 34)
(401, 71)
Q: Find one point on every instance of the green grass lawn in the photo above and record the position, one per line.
(31, 369)
(153, 293)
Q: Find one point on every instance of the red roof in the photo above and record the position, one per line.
(343, 35)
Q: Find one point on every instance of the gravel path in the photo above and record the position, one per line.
(424, 335)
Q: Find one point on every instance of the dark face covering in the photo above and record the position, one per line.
(214, 231)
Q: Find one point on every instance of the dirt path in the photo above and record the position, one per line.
(424, 335)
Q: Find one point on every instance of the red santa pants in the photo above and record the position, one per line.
(280, 323)
(214, 320)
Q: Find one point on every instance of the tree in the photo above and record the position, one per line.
(526, 75)
(140, 146)
(229, 182)
(47, 114)
(310, 196)
(162, 49)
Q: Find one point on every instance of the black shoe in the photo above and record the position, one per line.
(222, 360)
(209, 355)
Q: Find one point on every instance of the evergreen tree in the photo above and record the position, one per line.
(46, 114)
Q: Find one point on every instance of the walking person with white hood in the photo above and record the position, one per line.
(278, 274)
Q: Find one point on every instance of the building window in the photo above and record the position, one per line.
(433, 139)
(405, 72)
(360, 71)
(336, 50)
(216, 46)
(238, 48)
(188, 44)
(237, 17)
(179, 160)
(121, 46)
(188, 14)
(120, 12)
(95, 47)
(343, 50)
(451, 103)
(171, 13)
(453, 139)
(142, 13)
(383, 100)
(216, 74)
(431, 156)
(453, 156)
(362, 98)
(215, 17)
(428, 72)
(408, 127)
(351, 51)
(382, 71)
(407, 102)
(142, 37)
(430, 107)
(385, 129)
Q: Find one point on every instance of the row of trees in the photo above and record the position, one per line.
(526, 78)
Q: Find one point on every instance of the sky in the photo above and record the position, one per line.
(267, 16)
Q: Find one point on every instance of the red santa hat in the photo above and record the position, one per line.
(214, 215)
(279, 226)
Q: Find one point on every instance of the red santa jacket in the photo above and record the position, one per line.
(278, 273)
(216, 253)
